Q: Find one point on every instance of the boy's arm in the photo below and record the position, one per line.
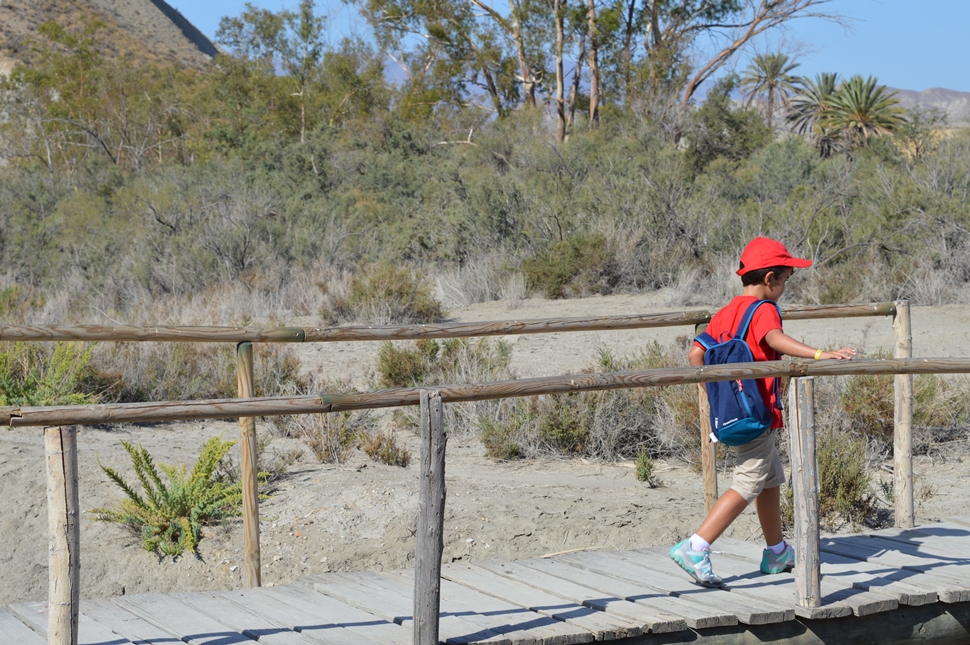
(785, 344)
(696, 356)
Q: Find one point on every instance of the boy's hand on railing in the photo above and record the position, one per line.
(844, 354)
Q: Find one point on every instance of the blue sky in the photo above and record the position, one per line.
(906, 44)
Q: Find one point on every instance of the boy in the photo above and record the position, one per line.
(765, 268)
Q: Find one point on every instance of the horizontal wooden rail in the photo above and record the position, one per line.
(158, 333)
(269, 406)
(163, 333)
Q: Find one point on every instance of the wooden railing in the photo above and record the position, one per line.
(58, 419)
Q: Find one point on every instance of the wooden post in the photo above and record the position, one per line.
(431, 521)
(804, 474)
(903, 422)
(708, 456)
(252, 574)
(64, 566)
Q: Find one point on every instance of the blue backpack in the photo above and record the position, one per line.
(738, 413)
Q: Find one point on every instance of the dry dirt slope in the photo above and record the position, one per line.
(145, 29)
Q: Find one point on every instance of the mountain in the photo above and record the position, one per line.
(147, 30)
(955, 104)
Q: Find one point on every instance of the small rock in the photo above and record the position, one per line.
(233, 568)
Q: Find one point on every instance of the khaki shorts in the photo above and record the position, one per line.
(758, 467)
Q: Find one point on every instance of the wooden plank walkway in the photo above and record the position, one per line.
(635, 596)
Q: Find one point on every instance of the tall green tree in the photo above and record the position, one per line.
(292, 40)
(813, 98)
(862, 109)
(768, 81)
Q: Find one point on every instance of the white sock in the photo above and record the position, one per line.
(778, 548)
(697, 543)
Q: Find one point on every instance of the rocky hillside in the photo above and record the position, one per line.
(955, 104)
(144, 29)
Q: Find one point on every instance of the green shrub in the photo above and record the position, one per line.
(383, 447)
(646, 469)
(844, 484)
(402, 366)
(169, 517)
(383, 293)
(39, 374)
(577, 266)
(563, 421)
(498, 438)
(429, 362)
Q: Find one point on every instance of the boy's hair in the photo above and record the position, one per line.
(757, 276)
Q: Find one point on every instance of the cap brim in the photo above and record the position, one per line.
(799, 263)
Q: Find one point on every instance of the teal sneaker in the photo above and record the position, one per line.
(785, 561)
(696, 563)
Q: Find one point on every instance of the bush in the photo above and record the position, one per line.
(646, 469)
(169, 518)
(182, 371)
(39, 374)
(613, 424)
(382, 294)
(383, 447)
(332, 436)
(844, 485)
(869, 403)
(406, 366)
(429, 363)
(578, 266)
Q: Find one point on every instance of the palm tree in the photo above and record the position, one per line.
(861, 109)
(812, 99)
(768, 80)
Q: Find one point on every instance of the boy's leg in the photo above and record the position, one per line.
(768, 505)
(698, 562)
(727, 508)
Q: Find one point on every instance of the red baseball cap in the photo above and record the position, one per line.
(764, 252)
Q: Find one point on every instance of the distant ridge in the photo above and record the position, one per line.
(190, 31)
(148, 30)
(956, 104)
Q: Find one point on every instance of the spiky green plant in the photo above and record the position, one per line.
(169, 518)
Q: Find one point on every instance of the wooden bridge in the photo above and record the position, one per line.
(901, 585)
(896, 585)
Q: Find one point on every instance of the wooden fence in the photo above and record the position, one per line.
(58, 419)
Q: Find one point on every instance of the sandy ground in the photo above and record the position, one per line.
(360, 515)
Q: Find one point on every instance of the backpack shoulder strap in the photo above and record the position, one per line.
(706, 340)
(749, 314)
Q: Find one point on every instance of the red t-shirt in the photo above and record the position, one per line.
(725, 322)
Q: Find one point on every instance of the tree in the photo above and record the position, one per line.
(861, 109)
(811, 99)
(730, 24)
(722, 131)
(502, 53)
(290, 39)
(768, 81)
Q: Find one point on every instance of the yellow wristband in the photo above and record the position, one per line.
(818, 354)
